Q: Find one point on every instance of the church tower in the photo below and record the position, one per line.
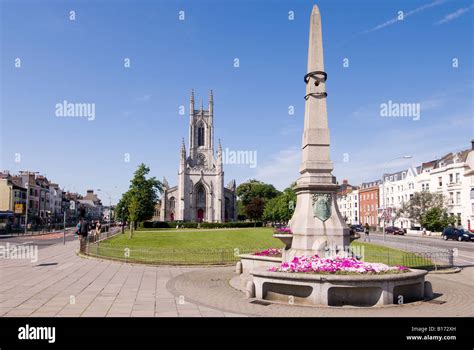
(200, 194)
(201, 131)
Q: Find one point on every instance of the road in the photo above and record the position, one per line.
(42, 241)
(463, 251)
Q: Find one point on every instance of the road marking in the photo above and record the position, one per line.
(465, 256)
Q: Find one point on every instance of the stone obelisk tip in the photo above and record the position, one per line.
(315, 10)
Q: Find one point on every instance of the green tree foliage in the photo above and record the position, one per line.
(435, 219)
(254, 210)
(281, 208)
(138, 203)
(255, 189)
(250, 190)
(424, 206)
(121, 210)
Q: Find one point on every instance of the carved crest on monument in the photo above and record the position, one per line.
(322, 206)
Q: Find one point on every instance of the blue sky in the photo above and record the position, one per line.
(405, 61)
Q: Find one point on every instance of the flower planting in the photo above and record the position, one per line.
(283, 230)
(337, 265)
(269, 252)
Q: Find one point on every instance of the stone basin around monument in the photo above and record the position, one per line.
(251, 261)
(285, 238)
(339, 289)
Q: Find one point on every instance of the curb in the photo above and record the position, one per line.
(445, 271)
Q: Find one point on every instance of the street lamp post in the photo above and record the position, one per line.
(383, 189)
(26, 207)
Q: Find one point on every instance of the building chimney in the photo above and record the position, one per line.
(472, 145)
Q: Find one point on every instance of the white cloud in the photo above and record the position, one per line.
(405, 15)
(434, 141)
(281, 169)
(449, 17)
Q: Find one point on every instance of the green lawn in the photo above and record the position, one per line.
(218, 246)
(242, 238)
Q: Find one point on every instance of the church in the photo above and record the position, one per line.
(200, 195)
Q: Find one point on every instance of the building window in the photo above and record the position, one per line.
(458, 177)
(451, 197)
(440, 181)
(451, 178)
(200, 135)
(458, 197)
(201, 196)
(172, 203)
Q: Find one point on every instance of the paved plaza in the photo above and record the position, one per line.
(61, 283)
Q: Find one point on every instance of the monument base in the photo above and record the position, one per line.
(339, 290)
(317, 224)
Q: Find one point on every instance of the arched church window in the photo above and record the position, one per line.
(172, 203)
(200, 135)
(201, 196)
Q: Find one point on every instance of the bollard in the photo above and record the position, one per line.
(451, 257)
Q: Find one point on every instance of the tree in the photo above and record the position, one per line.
(241, 211)
(121, 209)
(270, 212)
(138, 203)
(420, 204)
(133, 212)
(254, 188)
(436, 219)
(281, 208)
(251, 189)
(254, 209)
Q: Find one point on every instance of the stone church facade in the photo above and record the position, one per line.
(200, 194)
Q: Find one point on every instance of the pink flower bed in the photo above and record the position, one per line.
(315, 264)
(284, 230)
(269, 252)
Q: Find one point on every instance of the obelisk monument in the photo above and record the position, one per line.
(316, 224)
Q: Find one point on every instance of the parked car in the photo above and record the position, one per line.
(458, 234)
(357, 228)
(394, 230)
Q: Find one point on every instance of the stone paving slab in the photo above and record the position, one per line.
(63, 284)
(453, 292)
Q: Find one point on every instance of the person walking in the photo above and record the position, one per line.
(98, 228)
(366, 231)
(84, 231)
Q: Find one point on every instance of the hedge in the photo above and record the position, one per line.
(173, 224)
